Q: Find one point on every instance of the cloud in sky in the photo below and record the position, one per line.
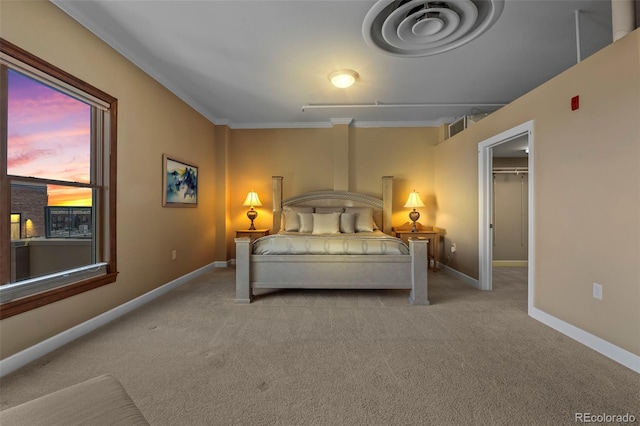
(26, 157)
(49, 132)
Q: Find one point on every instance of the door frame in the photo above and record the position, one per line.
(485, 194)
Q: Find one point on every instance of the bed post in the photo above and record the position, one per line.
(419, 268)
(244, 293)
(387, 203)
(277, 202)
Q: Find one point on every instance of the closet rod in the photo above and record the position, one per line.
(510, 170)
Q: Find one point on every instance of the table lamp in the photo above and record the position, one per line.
(412, 202)
(252, 201)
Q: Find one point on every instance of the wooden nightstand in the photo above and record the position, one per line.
(252, 234)
(429, 232)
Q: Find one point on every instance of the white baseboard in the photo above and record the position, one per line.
(221, 264)
(466, 278)
(607, 349)
(501, 263)
(34, 352)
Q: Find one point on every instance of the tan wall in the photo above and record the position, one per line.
(586, 191)
(151, 121)
(510, 223)
(307, 159)
(456, 183)
(221, 192)
(406, 153)
(302, 156)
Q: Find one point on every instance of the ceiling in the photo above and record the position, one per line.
(256, 64)
(513, 148)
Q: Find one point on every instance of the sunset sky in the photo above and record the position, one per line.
(49, 137)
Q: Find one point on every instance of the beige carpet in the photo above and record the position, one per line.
(193, 357)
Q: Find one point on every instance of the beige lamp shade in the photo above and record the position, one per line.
(414, 200)
(252, 200)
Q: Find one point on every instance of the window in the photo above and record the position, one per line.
(16, 226)
(57, 183)
(68, 222)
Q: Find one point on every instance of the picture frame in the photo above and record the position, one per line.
(179, 182)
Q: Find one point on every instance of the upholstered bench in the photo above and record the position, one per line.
(96, 402)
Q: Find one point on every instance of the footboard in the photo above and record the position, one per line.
(332, 271)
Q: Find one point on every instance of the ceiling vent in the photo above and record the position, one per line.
(413, 28)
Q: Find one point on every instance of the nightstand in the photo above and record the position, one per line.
(429, 232)
(252, 234)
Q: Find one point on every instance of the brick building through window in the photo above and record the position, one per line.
(29, 201)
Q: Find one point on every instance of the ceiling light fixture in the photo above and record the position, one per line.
(343, 78)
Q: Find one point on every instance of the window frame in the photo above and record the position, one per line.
(106, 206)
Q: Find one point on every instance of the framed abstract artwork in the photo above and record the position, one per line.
(179, 182)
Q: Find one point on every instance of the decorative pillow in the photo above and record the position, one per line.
(329, 209)
(290, 219)
(306, 222)
(364, 218)
(348, 223)
(326, 223)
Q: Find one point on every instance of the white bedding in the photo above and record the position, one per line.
(375, 242)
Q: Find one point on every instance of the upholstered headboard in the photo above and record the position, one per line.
(382, 207)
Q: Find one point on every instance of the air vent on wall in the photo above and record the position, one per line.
(457, 126)
(464, 122)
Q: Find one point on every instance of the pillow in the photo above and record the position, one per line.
(326, 223)
(329, 209)
(306, 222)
(290, 219)
(364, 218)
(348, 223)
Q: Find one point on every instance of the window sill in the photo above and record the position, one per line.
(28, 303)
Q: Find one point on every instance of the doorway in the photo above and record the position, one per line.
(510, 204)
(522, 133)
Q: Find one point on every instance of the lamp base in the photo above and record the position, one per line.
(414, 216)
(252, 214)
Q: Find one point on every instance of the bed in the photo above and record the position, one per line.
(308, 253)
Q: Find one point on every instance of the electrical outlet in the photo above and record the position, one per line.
(174, 255)
(453, 247)
(597, 291)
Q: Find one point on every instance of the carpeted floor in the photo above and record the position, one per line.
(193, 357)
